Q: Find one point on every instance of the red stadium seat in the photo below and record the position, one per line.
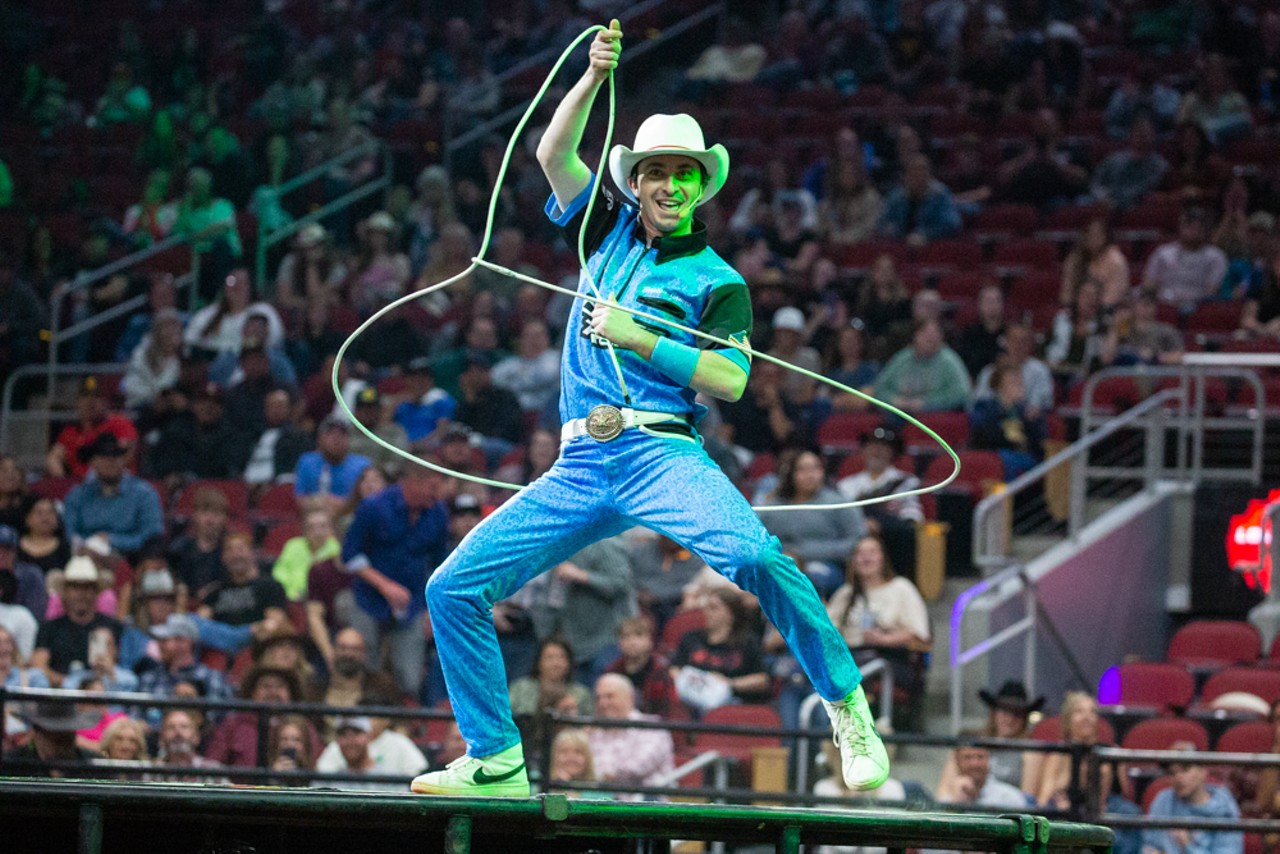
(863, 255)
(1159, 684)
(1163, 733)
(958, 254)
(1219, 317)
(53, 487)
(953, 427)
(1259, 681)
(762, 464)
(278, 502)
(979, 470)
(1247, 737)
(1032, 254)
(843, 431)
(1215, 643)
(1049, 728)
(735, 746)
(680, 624)
(1014, 219)
(277, 536)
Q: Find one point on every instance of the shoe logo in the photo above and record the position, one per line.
(483, 779)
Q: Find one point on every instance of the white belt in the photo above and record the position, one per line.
(606, 422)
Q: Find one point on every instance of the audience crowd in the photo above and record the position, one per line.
(961, 207)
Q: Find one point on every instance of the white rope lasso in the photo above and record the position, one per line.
(478, 261)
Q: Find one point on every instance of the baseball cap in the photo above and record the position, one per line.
(90, 387)
(335, 422)
(789, 317)
(176, 626)
(359, 722)
(368, 396)
(465, 502)
(419, 365)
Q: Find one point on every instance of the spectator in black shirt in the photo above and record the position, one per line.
(62, 644)
(196, 556)
(245, 596)
(199, 444)
(979, 343)
(762, 420)
(725, 649)
(53, 739)
(491, 411)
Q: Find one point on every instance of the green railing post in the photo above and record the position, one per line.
(90, 841)
(789, 841)
(457, 836)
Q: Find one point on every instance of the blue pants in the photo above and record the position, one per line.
(596, 490)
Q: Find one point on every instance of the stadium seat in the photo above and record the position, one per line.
(1049, 728)
(1247, 737)
(278, 503)
(735, 746)
(953, 427)
(1259, 681)
(979, 471)
(1218, 317)
(278, 535)
(680, 624)
(1160, 684)
(843, 431)
(1215, 644)
(1009, 218)
(958, 254)
(1031, 254)
(1163, 733)
(52, 487)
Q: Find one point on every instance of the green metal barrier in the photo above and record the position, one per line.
(110, 817)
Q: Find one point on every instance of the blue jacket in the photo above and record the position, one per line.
(309, 474)
(381, 536)
(129, 517)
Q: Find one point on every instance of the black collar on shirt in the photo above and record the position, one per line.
(669, 248)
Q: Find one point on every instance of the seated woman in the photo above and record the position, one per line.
(720, 663)
(551, 684)
(882, 615)
(819, 539)
(1006, 424)
(1047, 777)
(573, 762)
(44, 540)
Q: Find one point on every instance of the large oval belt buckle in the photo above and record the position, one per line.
(604, 422)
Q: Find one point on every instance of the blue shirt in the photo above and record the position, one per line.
(129, 517)
(677, 278)
(313, 469)
(1219, 805)
(420, 417)
(383, 536)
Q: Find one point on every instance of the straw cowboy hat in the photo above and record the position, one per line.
(664, 134)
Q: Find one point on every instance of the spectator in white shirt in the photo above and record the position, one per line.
(1185, 271)
(631, 756)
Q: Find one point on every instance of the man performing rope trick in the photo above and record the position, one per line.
(630, 453)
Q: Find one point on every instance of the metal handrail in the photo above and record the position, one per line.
(7, 414)
(84, 280)
(267, 239)
(989, 512)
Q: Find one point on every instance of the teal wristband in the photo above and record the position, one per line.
(678, 361)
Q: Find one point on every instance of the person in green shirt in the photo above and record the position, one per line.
(209, 223)
(317, 544)
(925, 376)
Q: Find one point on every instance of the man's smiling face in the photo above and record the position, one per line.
(668, 187)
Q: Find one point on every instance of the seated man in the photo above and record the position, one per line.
(895, 521)
(93, 419)
(114, 503)
(245, 596)
(1190, 797)
(363, 745)
(331, 470)
(974, 785)
(177, 637)
(64, 641)
(1189, 269)
(633, 756)
(179, 745)
(925, 376)
(921, 209)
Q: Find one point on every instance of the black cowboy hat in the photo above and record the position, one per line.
(60, 717)
(104, 445)
(1012, 697)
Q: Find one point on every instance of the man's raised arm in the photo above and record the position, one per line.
(558, 148)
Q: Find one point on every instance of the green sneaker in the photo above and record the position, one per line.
(862, 753)
(501, 775)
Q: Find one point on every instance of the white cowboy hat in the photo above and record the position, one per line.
(663, 134)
